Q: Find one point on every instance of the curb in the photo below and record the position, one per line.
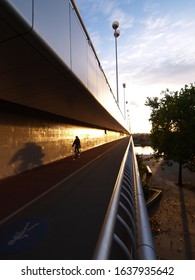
(155, 196)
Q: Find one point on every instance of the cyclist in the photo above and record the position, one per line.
(77, 145)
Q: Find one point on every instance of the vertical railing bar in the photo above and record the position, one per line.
(123, 247)
(127, 190)
(129, 232)
(128, 201)
(124, 224)
(124, 187)
(129, 215)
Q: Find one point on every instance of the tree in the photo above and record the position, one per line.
(173, 127)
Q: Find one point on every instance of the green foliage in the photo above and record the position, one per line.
(173, 126)
(142, 171)
(141, 166)
(142, 139)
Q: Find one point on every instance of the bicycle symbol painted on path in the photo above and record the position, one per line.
(22, 234)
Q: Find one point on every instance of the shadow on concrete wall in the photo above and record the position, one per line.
(28, 157)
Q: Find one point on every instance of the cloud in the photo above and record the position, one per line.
(157, 22)
(161, 50)
(110, 10)
(155, 50)
(151, 7)
(157, 40)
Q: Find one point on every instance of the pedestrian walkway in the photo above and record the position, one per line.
(173, 216)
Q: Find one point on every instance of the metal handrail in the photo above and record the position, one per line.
(126, 229)
(104, 244)
(145, 246)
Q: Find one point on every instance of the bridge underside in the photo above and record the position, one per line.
(32, 75)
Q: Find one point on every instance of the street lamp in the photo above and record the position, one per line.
(124, 86)
(115, 26)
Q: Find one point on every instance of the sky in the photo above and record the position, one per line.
(156, 49)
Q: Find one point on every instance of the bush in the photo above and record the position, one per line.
(143, 170)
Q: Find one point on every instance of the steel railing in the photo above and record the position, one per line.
(126, 232)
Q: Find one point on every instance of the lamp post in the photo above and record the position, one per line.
(115, 26)
(124, 86)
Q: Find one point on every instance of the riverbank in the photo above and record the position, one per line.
(173, 215)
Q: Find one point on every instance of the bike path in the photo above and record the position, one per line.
(16, 191)
(65, 222)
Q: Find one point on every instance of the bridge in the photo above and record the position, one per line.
(52, 88)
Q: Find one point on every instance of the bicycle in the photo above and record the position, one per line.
(77, 153)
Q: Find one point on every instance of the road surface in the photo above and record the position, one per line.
(64, 221)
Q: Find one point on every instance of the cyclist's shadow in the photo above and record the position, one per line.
(28, 157)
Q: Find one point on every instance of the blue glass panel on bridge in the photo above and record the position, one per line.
(51, 22)
(78, 48)
(24, 8)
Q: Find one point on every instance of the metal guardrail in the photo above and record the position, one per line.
(126, 232)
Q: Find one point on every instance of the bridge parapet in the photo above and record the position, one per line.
(59, 26)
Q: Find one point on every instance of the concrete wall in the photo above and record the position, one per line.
(29, 138)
